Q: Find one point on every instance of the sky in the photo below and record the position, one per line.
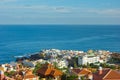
(60, 12)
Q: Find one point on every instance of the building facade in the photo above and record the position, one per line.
(83, 60)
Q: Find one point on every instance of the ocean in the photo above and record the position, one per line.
(19, 40)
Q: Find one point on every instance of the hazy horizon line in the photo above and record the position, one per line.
(59, 24)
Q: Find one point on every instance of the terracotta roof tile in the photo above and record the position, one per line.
(107, 74)
(44, 71)
(56, 72)
(29, 76)
(85, 71)
(97, 76)
(81, 71)
(113, 75)
(48, 69)
(28, 72)
(76, 71)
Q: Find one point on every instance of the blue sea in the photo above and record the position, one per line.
(19, 40)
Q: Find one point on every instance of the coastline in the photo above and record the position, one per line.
(16, 40)
(63, 61)
(36, 55)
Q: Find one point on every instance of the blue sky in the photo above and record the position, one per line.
(59, 11)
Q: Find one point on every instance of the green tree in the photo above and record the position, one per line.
(9, 74)
(112, 67)
(75, 64)
(93, 66)
(64, 77)
(104, 65)
(88, 65)
(82, 78)
(72, 77)
(38, 66)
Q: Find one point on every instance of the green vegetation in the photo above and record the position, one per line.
(38, 66)
(73, 62)
(11, 73)
(82, 78)
(104, 65)
(71, 77)
(55, 65)
(89, 66)
(93, 65)
(64, 77)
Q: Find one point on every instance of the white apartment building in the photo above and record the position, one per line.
(83, 60)
(62, 64)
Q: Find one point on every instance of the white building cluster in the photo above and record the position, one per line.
(61, 57)
(94, 57)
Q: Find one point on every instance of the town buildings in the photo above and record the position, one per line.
(94, 57)
(58, 63)
(48, 71)
(84, 60)
(81, 73)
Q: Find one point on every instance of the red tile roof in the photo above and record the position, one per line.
(29, 76)
(107, 74)
(112, 75)
(49, 70)
(56, 72)
(44, 71)
(76, 71)
(81, 71)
